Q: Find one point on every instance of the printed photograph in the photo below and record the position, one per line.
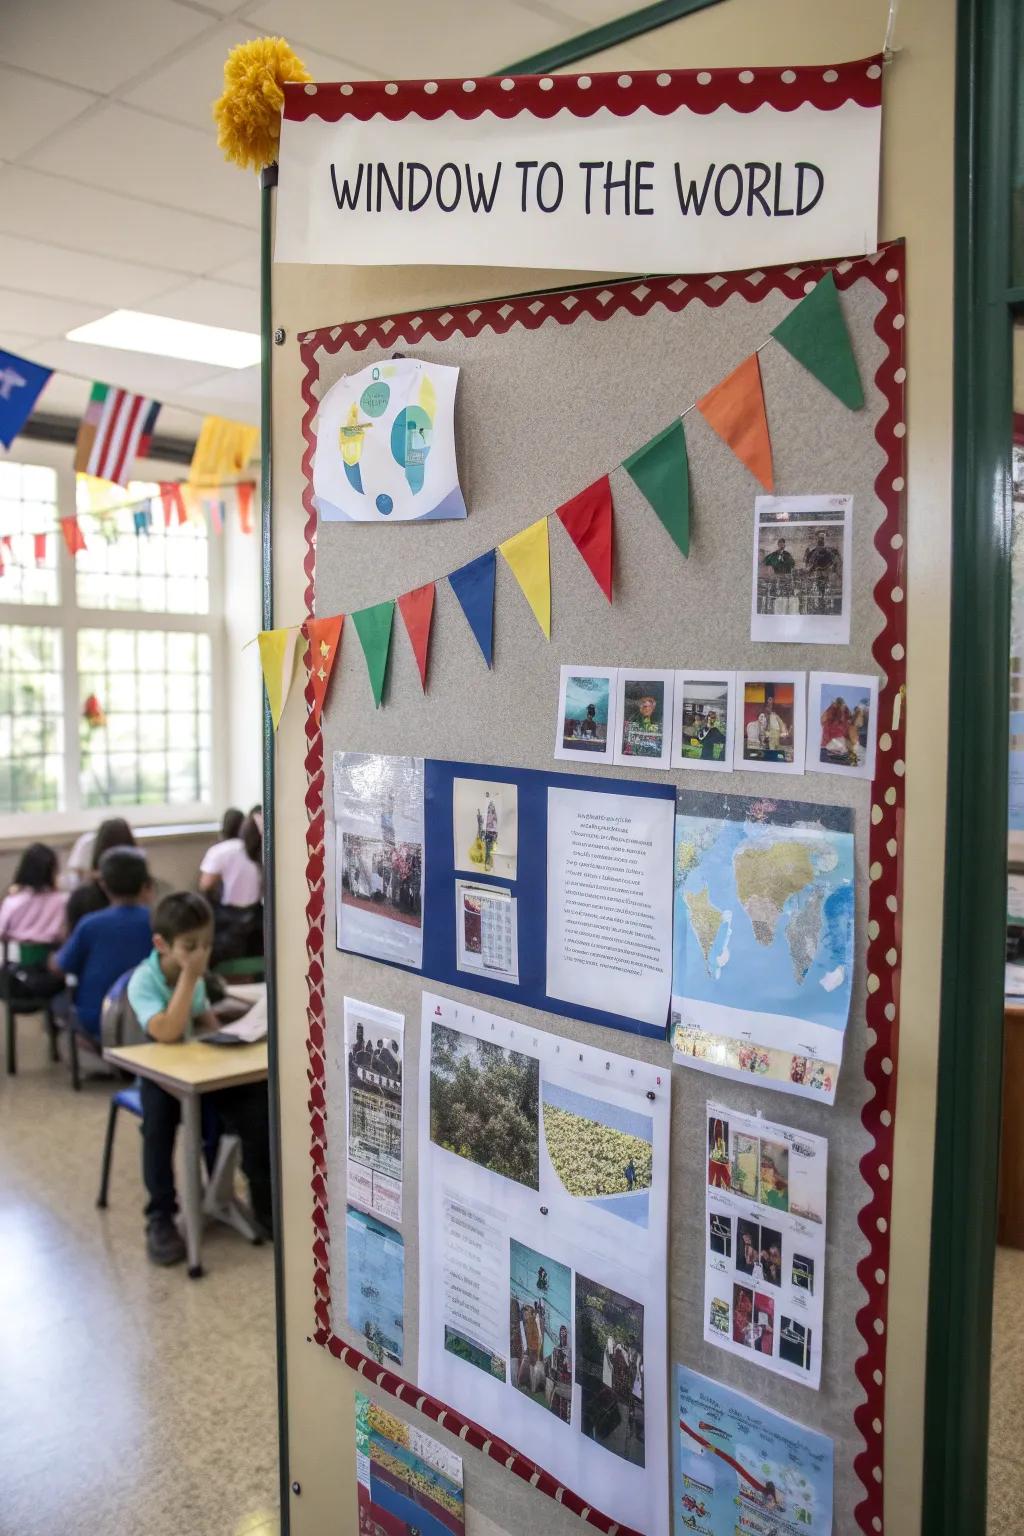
(842, 724)
(771, 1256)
(409, 1484)
(485, 1103)
(645, 710)
(586, 711)
(718, 1153)
(485, 818)
(610, 1369)
(487, 937)
(764, 1323)
(773, 1182)
(375, 1279)
(375, 1099)
(802, 1277)
(801, 589)
(795, 1344)
(742, 1315)
(759, 1252)
(720, 1235)
(601, 1152)
(463, 1348)
(769, 723)
(719, 1315)
(744, 1168)
(703, 721)
(540, 1329)
(383, 876)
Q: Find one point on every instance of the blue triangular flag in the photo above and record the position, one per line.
(143, 519)
(21, 384)
(473, 585)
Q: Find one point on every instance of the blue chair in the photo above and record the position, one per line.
(130, 1100)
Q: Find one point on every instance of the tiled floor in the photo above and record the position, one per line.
(133, 1401)
(1006, 1424)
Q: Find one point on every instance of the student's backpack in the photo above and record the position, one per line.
(118, 1023)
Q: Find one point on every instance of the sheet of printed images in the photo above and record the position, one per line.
(378, 814)
(407, 1483)
(543, 1236)
(742, 1470)
(763, 939)
(764, 1268)
(373, 1056)
(802, 569)
(375, 1283)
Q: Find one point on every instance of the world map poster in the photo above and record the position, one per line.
(763, 939)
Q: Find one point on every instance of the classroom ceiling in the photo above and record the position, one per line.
(113, 193)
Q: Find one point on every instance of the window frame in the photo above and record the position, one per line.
(68, 618)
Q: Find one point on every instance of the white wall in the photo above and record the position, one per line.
(243, 720)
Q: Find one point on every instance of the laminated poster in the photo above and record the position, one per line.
(739, 1468)
(375, 1275)
(373, 1055)
(764, 1255)
(763, 940)
(549, 889)
(407, 1483)
(385, 445)
(543, 1218)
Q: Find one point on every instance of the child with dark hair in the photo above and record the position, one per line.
(105, 944)
(90, 896)
(32, 916)
(169, 998)
(231, 875)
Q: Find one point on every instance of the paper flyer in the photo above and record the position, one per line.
(385, 445)
(764, 1255)
(375, 1274)
(407, 1483)
(543, 1216)
(487, 930)
(763, 940)
(378, 816)
(802, 569)
(373, 1053)
(740, 1468)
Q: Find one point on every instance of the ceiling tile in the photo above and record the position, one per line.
(128, 151)
(186, 88)
(407, 39)
(245, 272)
(239, 390)
(48, 269)
(210, 304)
(64, 396)
(31, 109)
(139, 371)
(53, 208)
(18, 341)
(99, 45)
(43, 317)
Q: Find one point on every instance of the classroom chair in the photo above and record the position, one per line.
(30, 956)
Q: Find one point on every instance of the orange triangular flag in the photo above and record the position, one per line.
(324, 636)
(243, 495)
(735, 409)
(417, 610)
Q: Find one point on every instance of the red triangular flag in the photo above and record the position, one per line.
(417, 610)
(39, 543)
(73, 537)
(324, 636)
(587, 519)
(735, 409)
(244, 492)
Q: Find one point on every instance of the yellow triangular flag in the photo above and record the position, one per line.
(527, 554)
(222, 452)
(277, 657)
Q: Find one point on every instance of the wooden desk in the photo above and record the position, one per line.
(188, 1071)
(1011, 1145)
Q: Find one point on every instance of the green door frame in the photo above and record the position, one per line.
(971, 1025)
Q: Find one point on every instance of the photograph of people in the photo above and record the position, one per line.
(842, 724)
(586, 701)
(485, 818)
(773, 721)
(644, 714)
(801, 590)
(702, 734)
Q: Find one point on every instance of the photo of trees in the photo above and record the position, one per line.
(484, 1104)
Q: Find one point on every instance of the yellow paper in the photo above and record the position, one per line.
(277, 657)
(527, 554)
(222, 452)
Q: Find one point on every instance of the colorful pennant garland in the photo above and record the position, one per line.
(324, 636)
(661, 472)
(417, 610)
(815, 334)
(528, 557)
(277, 658)
(735, 409)
(587, 519)
(373, 626)
(473, 585)
(73, 536)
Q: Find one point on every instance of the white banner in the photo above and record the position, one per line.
(688, 189)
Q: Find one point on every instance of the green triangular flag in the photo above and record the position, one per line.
(661, 472)
(815, 334)
(373, 626)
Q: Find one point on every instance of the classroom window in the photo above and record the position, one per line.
(132, 561)
(31, 719)
(145, 717)
(29, 532)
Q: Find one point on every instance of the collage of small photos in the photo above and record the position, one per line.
(543, 1234)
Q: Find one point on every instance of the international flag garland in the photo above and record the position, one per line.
(116, 430)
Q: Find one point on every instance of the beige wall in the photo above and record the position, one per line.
(917, 204)
(173, 857)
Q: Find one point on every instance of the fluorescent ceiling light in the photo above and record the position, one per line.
(133, 331)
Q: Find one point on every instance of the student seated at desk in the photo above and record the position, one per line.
(168, 996)
(106, 944)
(32, 915)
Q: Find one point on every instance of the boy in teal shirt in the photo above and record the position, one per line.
(168, 995)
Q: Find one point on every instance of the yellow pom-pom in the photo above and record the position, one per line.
(248, 115)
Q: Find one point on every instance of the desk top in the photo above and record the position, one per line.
(192, 1067)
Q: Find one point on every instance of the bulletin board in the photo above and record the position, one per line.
(557, 388)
